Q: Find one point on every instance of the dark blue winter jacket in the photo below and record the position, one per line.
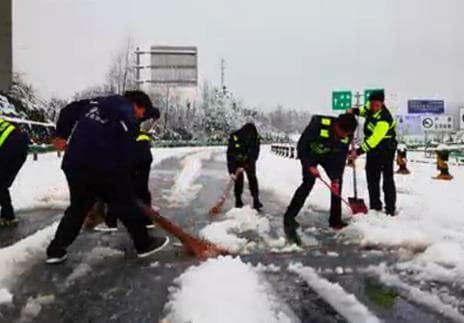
(101, 134)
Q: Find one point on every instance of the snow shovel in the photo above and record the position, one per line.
(335, 192)
(217, 208)
(357, 205)
(199, 248)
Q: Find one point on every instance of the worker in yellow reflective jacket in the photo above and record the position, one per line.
(13, 152)
(379, 144)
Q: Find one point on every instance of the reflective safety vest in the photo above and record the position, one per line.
(6, 129)
(325, 144)
(240, 149)
(379, 127)
(143, 136)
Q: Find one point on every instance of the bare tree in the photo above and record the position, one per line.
(121, 73)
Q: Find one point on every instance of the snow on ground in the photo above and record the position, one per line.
(96, 255)
(184, 189)
(42, 184)
(5, 296)
(344, 303)
(429, 224)
(238, 220)
(17, 258)
(223, 290)
(34, 305)
(432, 300)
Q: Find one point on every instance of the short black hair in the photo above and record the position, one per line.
(378, 95)
(347, 122)
(142, 99)
(139, 98)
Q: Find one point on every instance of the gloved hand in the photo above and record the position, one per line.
(353, 155)
(335, 184)
(59, 143)
(314, 171)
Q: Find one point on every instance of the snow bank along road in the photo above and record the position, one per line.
(404, 269)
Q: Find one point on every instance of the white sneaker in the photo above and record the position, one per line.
(156, 245)
(56, 260)
(104, 228)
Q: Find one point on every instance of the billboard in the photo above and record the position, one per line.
(438, 123)
(426, 106)
(174, 65)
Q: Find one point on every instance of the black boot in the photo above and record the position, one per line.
(238, 202)
(290, 229)
(257, 205)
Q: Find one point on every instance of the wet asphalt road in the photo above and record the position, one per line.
(122, 288)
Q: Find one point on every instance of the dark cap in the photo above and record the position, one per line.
(377, 96)
(142, 99)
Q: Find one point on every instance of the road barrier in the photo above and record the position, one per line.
(284, 150)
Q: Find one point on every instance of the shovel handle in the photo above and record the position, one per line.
(334, 191)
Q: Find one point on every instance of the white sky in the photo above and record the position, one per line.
(293, 52)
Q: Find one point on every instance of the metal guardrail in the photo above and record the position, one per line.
(284, 150)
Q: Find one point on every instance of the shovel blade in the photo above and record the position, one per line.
(357, 205)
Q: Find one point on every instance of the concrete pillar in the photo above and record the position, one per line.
(6, 45)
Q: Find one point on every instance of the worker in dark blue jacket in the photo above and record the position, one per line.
(324, 142)
(99, 137)
(140, 174)
(14, 145)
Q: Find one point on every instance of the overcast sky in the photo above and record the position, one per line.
(292, 52)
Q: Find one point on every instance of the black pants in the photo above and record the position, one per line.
(114, 188)
(140, 178)
(334, 165)
(13, 154)
(250, 170)
(380, 162)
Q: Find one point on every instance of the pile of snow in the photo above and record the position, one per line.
(18, 257)
(40, 184)
(344, 303)
(184, 190)
(5, 296)
(223, 290)
(238, 220)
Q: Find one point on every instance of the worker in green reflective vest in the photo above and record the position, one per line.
(379, 144)
(14, 145)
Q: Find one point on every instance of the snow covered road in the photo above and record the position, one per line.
(337, 278)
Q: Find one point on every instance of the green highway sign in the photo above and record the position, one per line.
(341, 100)
(367, 93)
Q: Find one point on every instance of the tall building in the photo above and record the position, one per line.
(6, 47)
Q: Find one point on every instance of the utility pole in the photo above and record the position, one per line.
(223, 75)
(138, 67)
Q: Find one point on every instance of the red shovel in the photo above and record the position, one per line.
(336, 193)
(357, 205)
